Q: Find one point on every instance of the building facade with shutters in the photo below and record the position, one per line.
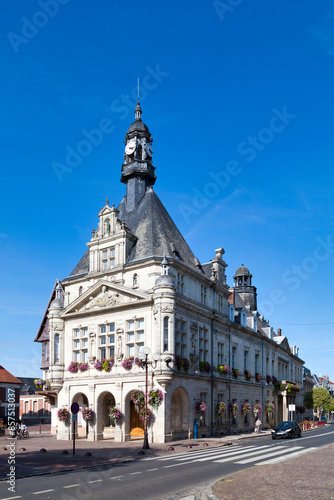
(140, 285)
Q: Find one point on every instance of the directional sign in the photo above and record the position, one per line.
(75, 408)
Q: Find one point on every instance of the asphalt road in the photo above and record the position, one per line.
(165, 477)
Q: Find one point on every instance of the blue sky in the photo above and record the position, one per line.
(238, 97)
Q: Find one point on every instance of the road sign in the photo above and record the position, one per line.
(74, 417)
(75, 408)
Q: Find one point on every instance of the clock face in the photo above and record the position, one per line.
(149, 149)
(130, 147)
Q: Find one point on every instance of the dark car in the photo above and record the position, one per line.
(288, 429)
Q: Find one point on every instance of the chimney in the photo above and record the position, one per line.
(279, 332)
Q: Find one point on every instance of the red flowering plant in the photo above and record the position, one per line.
(155, 397)
(258, 377)
(204, 366)
(269, 379)
(145, 413)
(87, 414)
(269, 408)
(221, 408)
(115, 414)
(83, 367)
(247, 374)
(200, 408)
(73, 367)
(257, 409)
(223, 369)
(138, 398)
(62, 414)
(245, 408)
(127, 363)
(233, 407)
(179, 362)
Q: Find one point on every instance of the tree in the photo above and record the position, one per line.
(308, 400)
(321, 398)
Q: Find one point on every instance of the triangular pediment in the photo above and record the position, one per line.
(283, 342)
(104, 295)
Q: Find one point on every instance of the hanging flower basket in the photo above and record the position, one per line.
(138, 398)
(234, 408)
(258, 377)
(204, 366)
(179, 362)
(145, 413)
(155, 397)
(245, 408)
(186, 364)
(115, 414)
(223, 369)
(269, 408)
(221, 408)
(269, 379)
(83, 367)
(73, 367)
(127, 363)
(257, 409)
(62, 414)
(274, 380)
(87, 414)
(200, 408)
(247, 374)
(39, 383)
(235, 372)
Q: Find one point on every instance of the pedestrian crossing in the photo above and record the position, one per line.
(258, 455)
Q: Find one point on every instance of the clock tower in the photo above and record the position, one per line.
(138, 172)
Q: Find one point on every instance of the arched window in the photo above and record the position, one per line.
(135, 280)
(56, 348)
(107, 226)
(166, 333)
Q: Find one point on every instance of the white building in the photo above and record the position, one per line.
(139, 284)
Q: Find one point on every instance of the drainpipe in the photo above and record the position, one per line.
(263, 417)
(211, 357)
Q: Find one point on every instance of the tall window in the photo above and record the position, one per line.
(80, 345)
(220, 303)
(220, 353)
(166, 333)
(106, 341)
(245, 360)
(180, 338)
(135, 336)
(203, 344)
(234, 356)
(256, 363)
(108, 259)
(180, 283)
(203, 295)
(56, 348)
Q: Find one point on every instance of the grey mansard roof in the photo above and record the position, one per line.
(155, 231)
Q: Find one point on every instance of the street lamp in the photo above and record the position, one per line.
(143, 356)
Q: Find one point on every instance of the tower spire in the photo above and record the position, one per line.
(138, 108)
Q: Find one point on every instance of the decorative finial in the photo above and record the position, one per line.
(138, 108)
(138, 93)
(107, 201)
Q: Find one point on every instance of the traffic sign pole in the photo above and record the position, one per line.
(74, 410)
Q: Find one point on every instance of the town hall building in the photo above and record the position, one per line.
(217, 362)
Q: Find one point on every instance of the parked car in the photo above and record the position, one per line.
(287, 429)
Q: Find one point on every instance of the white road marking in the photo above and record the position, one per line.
(134, 473)
(40, 492)
(71, 485)
(96, 481)
(116, 477)
(150, 470)
(228, 454)
(10, 498)
(266, 455)
(279, 459)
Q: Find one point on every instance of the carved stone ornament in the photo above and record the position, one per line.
(104, 299)
(167, 309)
(58, 327)
(156, 309)
(194, 360)
(91, 387)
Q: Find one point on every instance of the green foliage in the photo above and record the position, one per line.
(321, 398)
(308, 400)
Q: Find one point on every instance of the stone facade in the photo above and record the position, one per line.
(139, 285)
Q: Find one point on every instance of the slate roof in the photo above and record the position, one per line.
(8, 378)
(28, 385)
(156, 234)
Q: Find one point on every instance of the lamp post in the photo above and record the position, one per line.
(143, 356)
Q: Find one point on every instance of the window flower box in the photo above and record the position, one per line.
(223, 369)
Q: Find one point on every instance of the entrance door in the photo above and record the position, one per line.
(136, 424)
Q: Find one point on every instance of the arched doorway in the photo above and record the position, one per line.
(180, 427)
(81, 425)
(134, 426)
(105, 426)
